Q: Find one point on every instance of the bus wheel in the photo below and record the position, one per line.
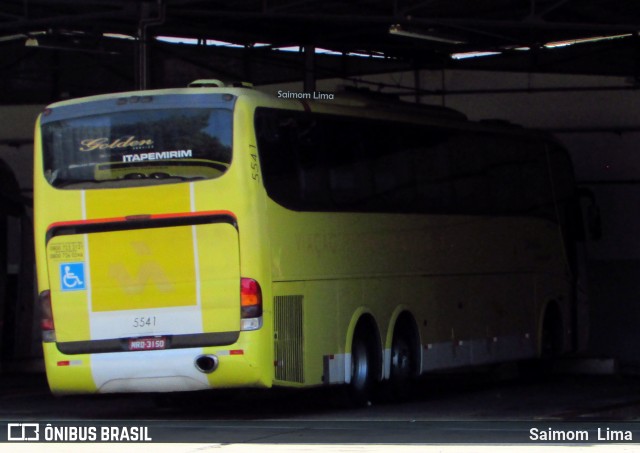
(402, 366)
(361, 371)
(551, 346)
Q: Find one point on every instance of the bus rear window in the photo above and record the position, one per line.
(136, 148)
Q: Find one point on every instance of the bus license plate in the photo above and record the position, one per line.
(147, 344)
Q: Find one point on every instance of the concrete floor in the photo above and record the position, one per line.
(477, 409)
(476, 396)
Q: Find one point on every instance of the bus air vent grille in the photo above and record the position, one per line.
(289, 338)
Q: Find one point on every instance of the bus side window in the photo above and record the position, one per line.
(277, 156)
(350, 150)
(312, 161)
(394, 184)
(469, 178)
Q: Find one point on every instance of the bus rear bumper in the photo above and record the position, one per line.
(170, 370)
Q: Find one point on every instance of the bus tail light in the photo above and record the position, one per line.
(250, 304)
(48, 328)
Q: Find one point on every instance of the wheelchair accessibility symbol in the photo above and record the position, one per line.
(72, 277)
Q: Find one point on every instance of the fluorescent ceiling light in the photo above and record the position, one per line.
(467, 55)
(118, 36)
(397, 30)
(21, 36)
(571, 42)
(550, 45)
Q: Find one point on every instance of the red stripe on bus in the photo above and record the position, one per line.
(130, 218)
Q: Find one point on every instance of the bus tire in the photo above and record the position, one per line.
(550, 346)
(404, 361)
(362, 370)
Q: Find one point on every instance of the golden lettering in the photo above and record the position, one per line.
(91, 144)
(102, 143)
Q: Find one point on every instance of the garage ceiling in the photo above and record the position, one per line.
(50, 49)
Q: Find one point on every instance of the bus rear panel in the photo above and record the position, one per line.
(140, 269)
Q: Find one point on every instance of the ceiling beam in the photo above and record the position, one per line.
(84, 20)
(375, 19)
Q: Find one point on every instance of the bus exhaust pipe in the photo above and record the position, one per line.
(206, 363)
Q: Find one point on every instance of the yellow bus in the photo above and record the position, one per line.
(218, 237)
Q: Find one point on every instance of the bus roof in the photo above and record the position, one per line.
(346, 101)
